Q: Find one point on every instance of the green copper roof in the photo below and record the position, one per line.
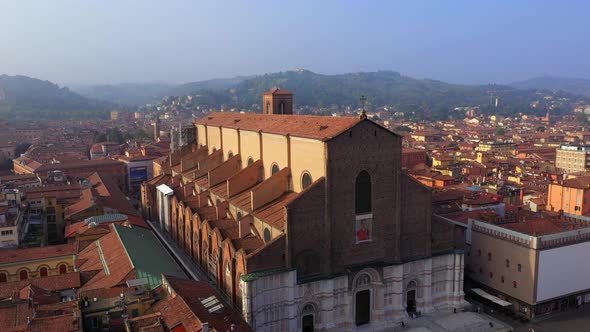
(255, 275)
(149, 258)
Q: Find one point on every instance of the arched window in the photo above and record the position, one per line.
(305, 180)
(507, 263)
(275, 169)
(63, 269)
(267, 107)
(230, 154)
(43, 272)
(363, 193)
(267, 236)
(282, 107)
(3, 277)
(250, 161)
(23, 275)
(239, 215)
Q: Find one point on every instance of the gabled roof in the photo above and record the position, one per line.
(277, 91)
(321, 128)
(188, 308)
(126, 253)
(51, 283)
(29, 254)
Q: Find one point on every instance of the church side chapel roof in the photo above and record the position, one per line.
(321, 128)
(272, 213)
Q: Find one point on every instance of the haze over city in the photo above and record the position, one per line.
(298, 166)
(98, 42)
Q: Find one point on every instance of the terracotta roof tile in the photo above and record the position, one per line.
(20, 255)
(315, 127)
(52, 283)
(273, 212)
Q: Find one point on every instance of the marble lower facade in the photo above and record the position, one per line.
(370, 299)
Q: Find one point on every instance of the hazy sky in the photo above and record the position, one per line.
(113, 41)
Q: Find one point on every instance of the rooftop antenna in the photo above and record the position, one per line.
(363, 100)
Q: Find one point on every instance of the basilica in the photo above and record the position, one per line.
(306, 223)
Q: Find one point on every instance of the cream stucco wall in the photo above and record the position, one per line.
(230, 142)
(501, 251)
(201, 135)
(214, 139)
(249, 146)
(307, 155)
(275, 149)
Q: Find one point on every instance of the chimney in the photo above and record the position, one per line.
(205, 327)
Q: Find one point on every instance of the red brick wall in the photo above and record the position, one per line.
(416, 214)
(269, 257)
(367, 147)
(306, 230)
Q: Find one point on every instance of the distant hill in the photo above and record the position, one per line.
(580, 86)
(136, 94)
(22, 97)
(126, 93)
(216, 84)
(429, 98)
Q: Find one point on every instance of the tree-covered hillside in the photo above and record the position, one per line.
(432, 98)
(23, 97)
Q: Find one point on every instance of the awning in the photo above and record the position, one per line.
(491, 297)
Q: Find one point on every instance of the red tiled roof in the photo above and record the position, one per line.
(277, 91)
(579, 182)
(273, 212)
(21, 255)
(110, 194)
(315, 127)
(186, 308)
(52, 283)
(115, 257)
(537, 227)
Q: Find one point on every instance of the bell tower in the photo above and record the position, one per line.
(277, 101)
(157, 129)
